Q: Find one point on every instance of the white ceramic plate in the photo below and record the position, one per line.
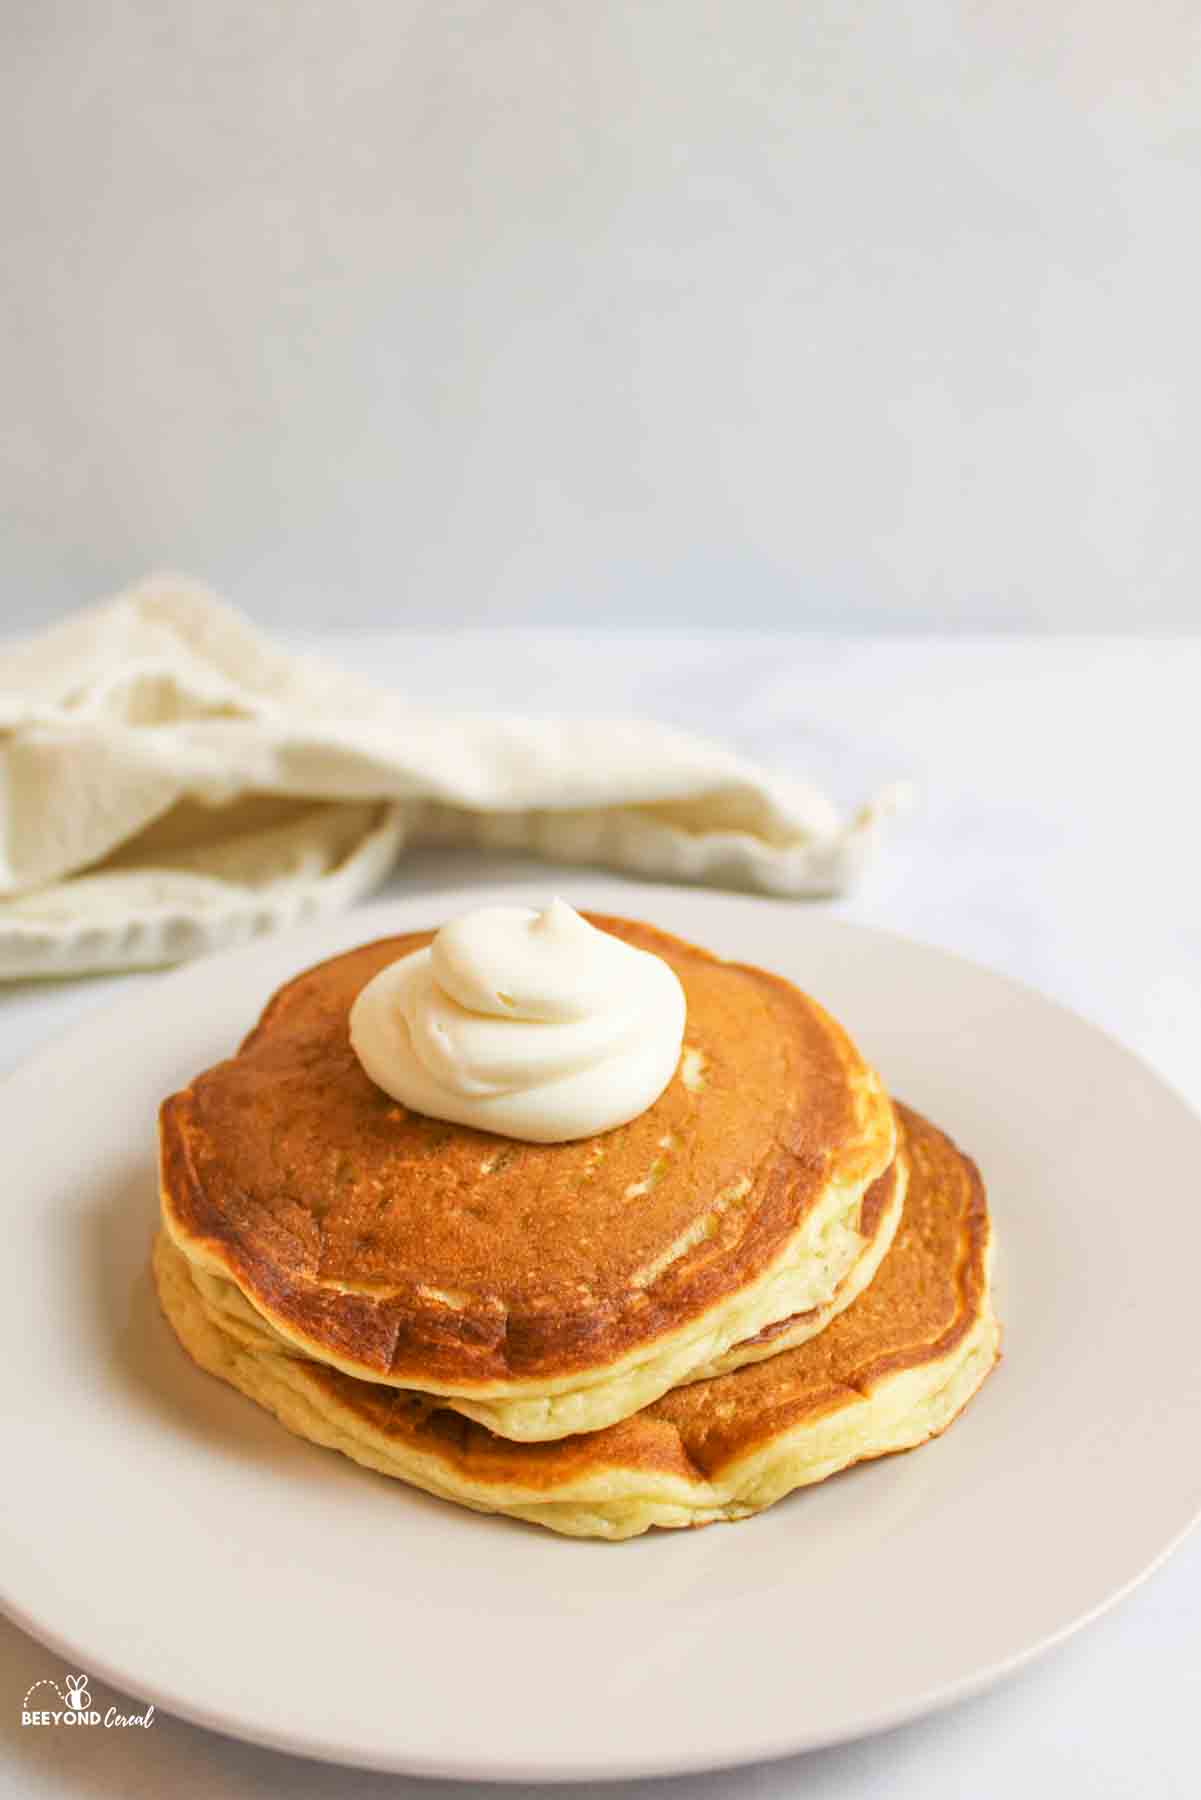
(164, 1534)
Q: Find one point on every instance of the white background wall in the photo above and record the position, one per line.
(840, 314)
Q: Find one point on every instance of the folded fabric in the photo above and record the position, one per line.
(171, 782)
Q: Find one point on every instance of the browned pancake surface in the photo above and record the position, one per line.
(931, 1291)
(426, 1251)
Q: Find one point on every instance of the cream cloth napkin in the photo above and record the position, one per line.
(171, 782)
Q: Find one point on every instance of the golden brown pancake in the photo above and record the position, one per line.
(894, 1369)
(539, 1288)
(879, 1215)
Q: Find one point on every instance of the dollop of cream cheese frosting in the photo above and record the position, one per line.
(530, 1024)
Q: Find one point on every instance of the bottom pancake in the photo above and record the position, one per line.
(891, 1371)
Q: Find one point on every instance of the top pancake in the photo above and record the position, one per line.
(433, 1256)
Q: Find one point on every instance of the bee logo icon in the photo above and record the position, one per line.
(79, 1697)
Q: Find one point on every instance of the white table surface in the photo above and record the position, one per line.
(1056, 838)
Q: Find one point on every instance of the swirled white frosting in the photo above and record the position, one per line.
(531, 1024)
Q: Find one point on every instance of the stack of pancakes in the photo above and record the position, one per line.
(770, 1274)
